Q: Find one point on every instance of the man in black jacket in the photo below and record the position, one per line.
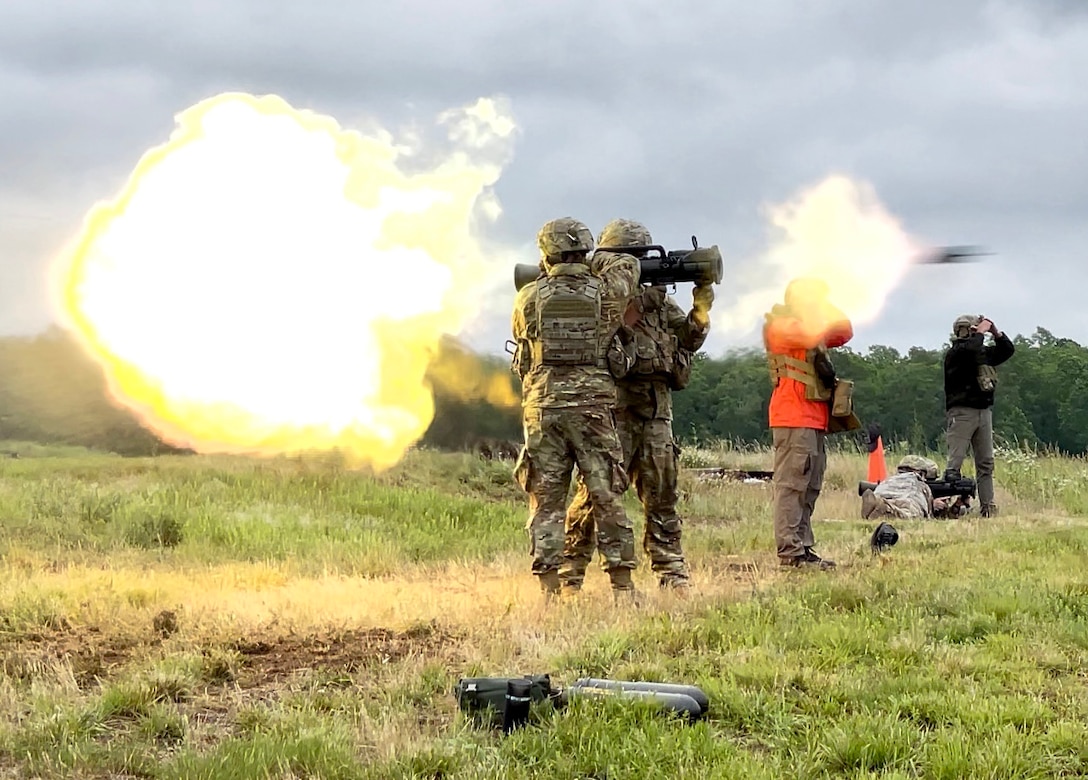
(969, 381)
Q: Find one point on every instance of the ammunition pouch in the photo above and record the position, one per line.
(987, 378)
(680, 375)
(503, 701)
(842, 417)
(843, 424)
(521, 357)
(655, 348)
(842, 398)
(621, 355)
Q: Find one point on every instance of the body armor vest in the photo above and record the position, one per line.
(655, 346)
(569, 322)
(803, 371)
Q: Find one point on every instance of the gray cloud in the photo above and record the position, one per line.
(967, 116)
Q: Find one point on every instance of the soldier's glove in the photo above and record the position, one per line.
(703, 297)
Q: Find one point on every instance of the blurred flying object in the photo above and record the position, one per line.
(952, 254)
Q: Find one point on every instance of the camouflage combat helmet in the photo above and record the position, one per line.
(624, 232)
(962, 325)
(565, 234)
(923, 466)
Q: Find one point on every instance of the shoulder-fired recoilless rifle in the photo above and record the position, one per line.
(506, 701)
(700, 264)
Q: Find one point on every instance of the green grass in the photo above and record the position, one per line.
(204, 511)
(959, 653)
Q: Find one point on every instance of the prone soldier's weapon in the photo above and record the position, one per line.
(700, 264)
(941, 488)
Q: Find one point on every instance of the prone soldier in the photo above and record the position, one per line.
(908, 494)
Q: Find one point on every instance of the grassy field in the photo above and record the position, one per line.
(184, 617)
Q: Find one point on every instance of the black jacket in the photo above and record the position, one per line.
(961, 363)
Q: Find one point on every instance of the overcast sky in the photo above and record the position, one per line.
(970, 118)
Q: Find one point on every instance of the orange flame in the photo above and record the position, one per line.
(267, 282)
(837, 231)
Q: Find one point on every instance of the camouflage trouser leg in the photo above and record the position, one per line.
(554, 440)
(656, 457)
(599, 453)
(544, 470)
(583, 517)
(799, 460)
(580, 540)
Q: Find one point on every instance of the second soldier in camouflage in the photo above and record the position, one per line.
(664, 339)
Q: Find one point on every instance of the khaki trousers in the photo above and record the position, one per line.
(972, 428)
(800, 459)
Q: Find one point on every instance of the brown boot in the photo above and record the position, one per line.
(623, 588)
(813, 558)
(571, 579)
(988, 510)
(621, 579)
(549, 583)
(675, 581)
(869, 504)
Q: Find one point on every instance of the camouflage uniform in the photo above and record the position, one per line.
(564, 326)
(664, 339)
(903, 495)
(906, 495)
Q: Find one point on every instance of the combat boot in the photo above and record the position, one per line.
(549, 583)
(809, 560)
(621, 579)
(988, 510)
(810, 556)
(623, 588)
(869, 504)
(571, 578)
(677, 582)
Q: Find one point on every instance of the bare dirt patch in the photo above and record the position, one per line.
(95, 657)
(272, 659)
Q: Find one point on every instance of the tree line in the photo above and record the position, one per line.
(1041, 399)
(52, 392)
